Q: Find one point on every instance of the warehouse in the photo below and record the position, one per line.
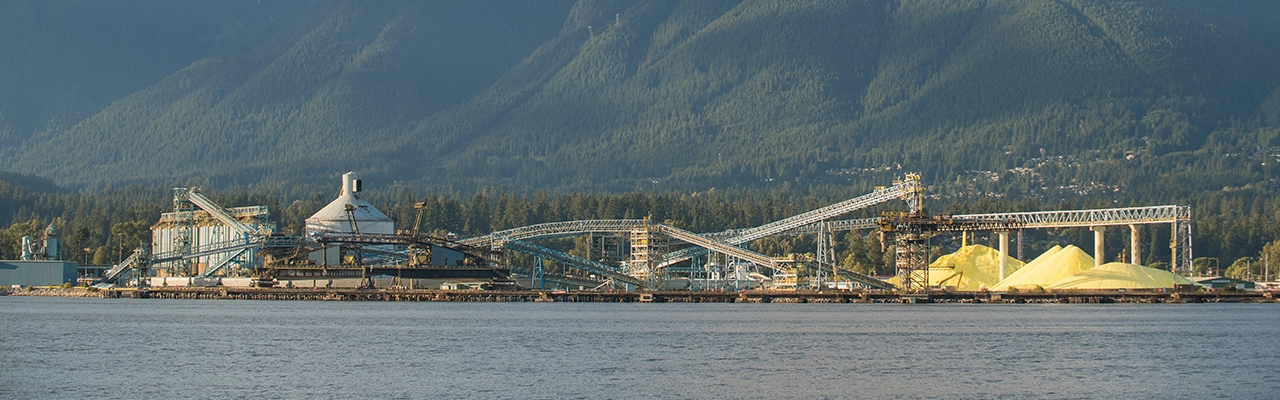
(37, 272)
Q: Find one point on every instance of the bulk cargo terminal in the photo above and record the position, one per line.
(201, 249)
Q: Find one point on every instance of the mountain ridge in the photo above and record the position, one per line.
(616, 95)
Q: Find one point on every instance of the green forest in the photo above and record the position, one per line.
(710, 114)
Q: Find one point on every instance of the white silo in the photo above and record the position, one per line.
(335, 218)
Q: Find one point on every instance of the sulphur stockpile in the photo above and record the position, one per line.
(977, 267)
(971, 268)
(1120, 276)
(1054, 265)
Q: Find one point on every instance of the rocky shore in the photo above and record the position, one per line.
(51, 292)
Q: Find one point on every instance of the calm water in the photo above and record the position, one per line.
(118, 348)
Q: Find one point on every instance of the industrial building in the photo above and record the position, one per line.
(39, 265)
(190, 230)
(37, 273)
(1222, 282)
(348, 243)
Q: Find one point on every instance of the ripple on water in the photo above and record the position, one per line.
(123, 348)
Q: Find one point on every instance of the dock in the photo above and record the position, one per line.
(682, 296)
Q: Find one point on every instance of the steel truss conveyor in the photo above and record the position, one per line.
(556, 229)
(129, 264)
(727, 242)
(405, 240)
(571, 260)
(864, 280)
(194, 196)
(909, 190)
(513, 238)
(559, 229)
(1027, 220)
(761, 259)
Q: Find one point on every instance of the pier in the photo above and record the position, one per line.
(680, 296)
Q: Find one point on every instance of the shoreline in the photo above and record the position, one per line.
(752, 296)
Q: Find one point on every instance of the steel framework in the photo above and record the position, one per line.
(571, 260)
(912, 260)
(539, 279)
(185, 203)
(193, 195)
(1086, 218)
(909, 190)
(556, 229)
(826, 254)
(117, 271)
(913, 231)
(186, 228)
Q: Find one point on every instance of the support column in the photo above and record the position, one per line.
(1180, 245)
(1173, 247)
(1004, 253)
(1098, 251)
(1020, 258)
(648, 245)
(1135, 245)
(913, 261)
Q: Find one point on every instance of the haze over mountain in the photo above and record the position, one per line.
(1159, 98)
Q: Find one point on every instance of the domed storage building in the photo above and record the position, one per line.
(335, 218)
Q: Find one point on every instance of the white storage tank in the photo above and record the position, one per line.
(334, 217)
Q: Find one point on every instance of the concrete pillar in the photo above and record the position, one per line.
(1004, 253)
(1098, 254)
(1173, 248)
(1135, 246)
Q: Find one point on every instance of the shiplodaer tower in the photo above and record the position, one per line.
(338, 216)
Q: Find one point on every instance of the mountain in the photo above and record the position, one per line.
(64, 61)
(1148, 98)
(329, 83)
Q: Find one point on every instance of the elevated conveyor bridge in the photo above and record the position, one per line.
(594, 267)
(194, 196)
(129, 264)
(729, 242)
(556, 229)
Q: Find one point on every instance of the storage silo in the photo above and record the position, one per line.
(335, 217)
(204, 232)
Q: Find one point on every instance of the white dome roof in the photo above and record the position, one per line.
(333, 217)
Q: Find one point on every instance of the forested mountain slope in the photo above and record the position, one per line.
(327, 87)
(705, 92)
(1151, 99)
(64, 61)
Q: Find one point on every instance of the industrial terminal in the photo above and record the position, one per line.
(352, 250)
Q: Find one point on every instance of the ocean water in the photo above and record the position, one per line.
(124, 348)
